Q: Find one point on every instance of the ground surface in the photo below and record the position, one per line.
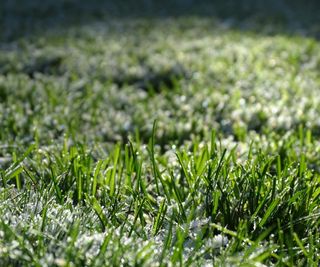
(148, 135)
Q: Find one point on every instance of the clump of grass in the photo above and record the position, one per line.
(206, 208)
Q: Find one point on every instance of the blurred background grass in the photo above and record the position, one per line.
(25, 18)
(200, 58)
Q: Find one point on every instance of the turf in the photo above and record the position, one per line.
(163, 137)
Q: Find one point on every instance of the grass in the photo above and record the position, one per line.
(158, 141)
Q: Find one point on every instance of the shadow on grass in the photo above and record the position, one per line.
(19, 19)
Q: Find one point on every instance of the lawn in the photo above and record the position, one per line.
(148, 134)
